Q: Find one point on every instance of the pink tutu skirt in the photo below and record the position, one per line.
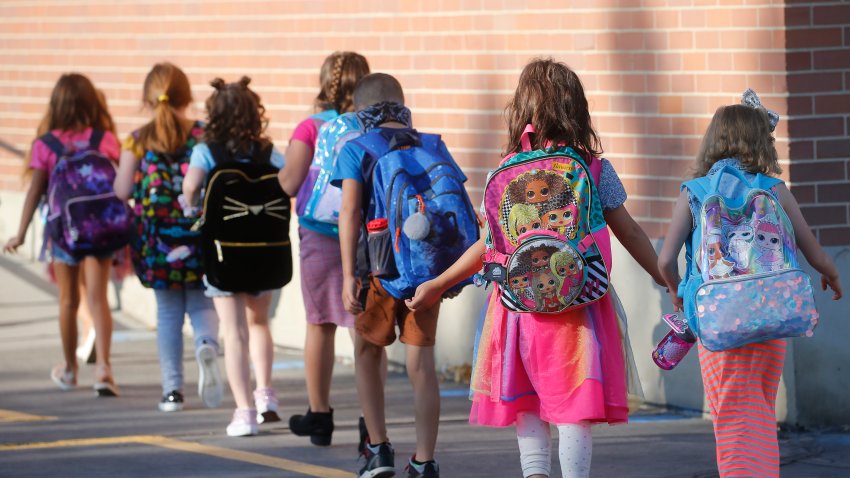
(567, 368)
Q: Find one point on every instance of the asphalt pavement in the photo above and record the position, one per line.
(45, 432)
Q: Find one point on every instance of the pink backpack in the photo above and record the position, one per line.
(547, 244)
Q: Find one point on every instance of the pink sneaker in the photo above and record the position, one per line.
(266, 402)
(244, 423)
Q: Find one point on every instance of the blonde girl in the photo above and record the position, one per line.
(166, 252)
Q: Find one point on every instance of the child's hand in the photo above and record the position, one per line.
(13, 244)
(833, 282)
(678, 305)
(425, 297)
(350, 290)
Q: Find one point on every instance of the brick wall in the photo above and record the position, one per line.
(818, 59)
(654, 70)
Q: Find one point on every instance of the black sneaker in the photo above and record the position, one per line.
(364, 435)
(429, 469)
(173, 402)
(379, 464)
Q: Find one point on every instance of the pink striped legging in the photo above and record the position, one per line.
(741, 386)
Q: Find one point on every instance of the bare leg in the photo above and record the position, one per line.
(353, 333)
(234, 325)
(370, 387)
(67, 279)
(426, 392)
(96, 273)
(261, 347)
(319, 359)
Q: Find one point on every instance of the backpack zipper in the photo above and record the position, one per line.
(201, 220)
(220, 244)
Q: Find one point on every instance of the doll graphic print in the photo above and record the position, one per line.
(750, 239)
(542, 214)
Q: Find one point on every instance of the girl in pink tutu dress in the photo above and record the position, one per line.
(568, 369)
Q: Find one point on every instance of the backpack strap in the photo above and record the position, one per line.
(95, 138)
(53, 143)
(219, 153)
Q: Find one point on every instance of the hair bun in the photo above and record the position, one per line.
(217, 83)
(244, 81)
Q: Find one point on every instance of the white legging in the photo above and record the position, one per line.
(575, 446)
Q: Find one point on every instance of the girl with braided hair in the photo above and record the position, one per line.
(321, 265)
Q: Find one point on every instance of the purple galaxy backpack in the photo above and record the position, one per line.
(84, 215)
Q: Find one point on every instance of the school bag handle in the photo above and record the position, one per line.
(524, 139)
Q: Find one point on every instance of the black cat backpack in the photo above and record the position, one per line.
(245, 224)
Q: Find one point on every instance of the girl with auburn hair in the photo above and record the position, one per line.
(321, 264)
(237, 124)
(741, 383)
(588, 385)
(166, 252)
(76, 116)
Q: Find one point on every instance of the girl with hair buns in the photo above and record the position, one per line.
(237, 124)
(321, 264)
(166, 252)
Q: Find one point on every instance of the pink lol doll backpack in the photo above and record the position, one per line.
(743, 283)
(547, 246)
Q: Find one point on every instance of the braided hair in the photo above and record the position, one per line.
(339, 74)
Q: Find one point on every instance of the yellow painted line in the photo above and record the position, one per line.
(70, 443)
(248, 457)
(191, 447)
(7, 416)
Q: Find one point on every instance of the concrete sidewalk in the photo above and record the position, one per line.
(45, 432)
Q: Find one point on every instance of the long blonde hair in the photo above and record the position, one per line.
(340, 71)
(165, 92)
(742, 132)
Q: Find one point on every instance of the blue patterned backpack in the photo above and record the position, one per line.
(316, 202)
(743, 283)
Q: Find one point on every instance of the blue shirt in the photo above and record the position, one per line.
(202, 158)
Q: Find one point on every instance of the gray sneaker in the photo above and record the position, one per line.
(210, 385)
(380, 464)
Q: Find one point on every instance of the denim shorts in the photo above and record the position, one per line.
(212, 291)
(59, 255)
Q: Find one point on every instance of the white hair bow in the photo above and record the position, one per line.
(751, 99)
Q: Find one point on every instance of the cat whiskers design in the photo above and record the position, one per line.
(243, 209)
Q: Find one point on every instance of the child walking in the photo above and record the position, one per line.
(166, 252)
(379, 100)
(76, 119)
(321, 270)
(515, 379)
(237, 124)
(741, 383)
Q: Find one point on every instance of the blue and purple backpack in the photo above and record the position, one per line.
(84, 215)
(743, 283)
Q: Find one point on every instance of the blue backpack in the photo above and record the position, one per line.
(316, 203)
(419, 218)
(743, 283)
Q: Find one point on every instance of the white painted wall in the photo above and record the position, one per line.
(815, 383)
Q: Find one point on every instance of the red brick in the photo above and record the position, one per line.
(805, 194)
(832, 193)
(806, 82)
(834, 236)
(798, 60)
(798, 16)
(832, 59)
(833, 148)
(823, 171)
(831, 14)
(816, 127)
(825, 215)
(814, 37)
(800, 105)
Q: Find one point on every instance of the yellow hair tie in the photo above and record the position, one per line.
(163, 98)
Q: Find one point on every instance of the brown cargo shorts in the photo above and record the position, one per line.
(384, 312)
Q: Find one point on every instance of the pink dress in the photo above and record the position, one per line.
(566, 368)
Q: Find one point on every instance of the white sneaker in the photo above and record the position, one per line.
(85, 349)
(266, 402)
(244, 423)
(210, 386)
